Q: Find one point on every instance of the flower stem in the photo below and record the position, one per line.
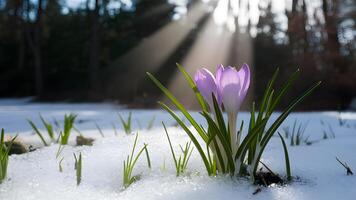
(232, 128)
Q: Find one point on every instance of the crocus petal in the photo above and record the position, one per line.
(219, 70)
(230, 86)
(206, 84)
(244, 76)
(218, 74)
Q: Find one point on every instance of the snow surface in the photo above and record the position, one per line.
(36, 175)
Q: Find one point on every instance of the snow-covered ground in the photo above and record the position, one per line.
(36, 175)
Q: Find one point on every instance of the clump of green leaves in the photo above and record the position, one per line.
(130, 163)
(182, 161)
(68, 125)
(219, 155)
(126, 124)
(78, 167)
(63, 136)
(296, 133)
(4, 155)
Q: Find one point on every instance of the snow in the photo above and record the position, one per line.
(36, 175)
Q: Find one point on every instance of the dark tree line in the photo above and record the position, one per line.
(47, 48)
(55, 52)
(315, 42)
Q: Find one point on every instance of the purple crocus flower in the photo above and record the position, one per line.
(233, 86)
(228, 85)
(230, 88)
(207, 85)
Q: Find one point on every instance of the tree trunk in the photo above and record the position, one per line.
(21, 36)
(34, 42)
(94, 49)
(37, 49)
(332, 42)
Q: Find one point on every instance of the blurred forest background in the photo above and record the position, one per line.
(94, 50)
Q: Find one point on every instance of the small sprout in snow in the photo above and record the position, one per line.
(286, 131)
(4, 155)
(296, 134)
(344, 164)
(99, 129)
(130, 163)
(78, 167)
(182, 162)
(60, 165)
(126, 124)
(38, 132)
(49, 128)
(147, 156)
(68, 125)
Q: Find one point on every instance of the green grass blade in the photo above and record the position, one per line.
(219, 117)
(286, 156)
(59, 150)
(194, 87)
(286, 112)
(284, 89)
(280, 120)
(190, 134)
(126, 124)
(79, 169)
(99, 129)
(147, 157)
(137, 157)
(179, 106)
(170, 146)
(219, 156)
(224, 139)
(266, 95)
(133, 150)
(48, 127)
(37, 132)
(249, 138)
